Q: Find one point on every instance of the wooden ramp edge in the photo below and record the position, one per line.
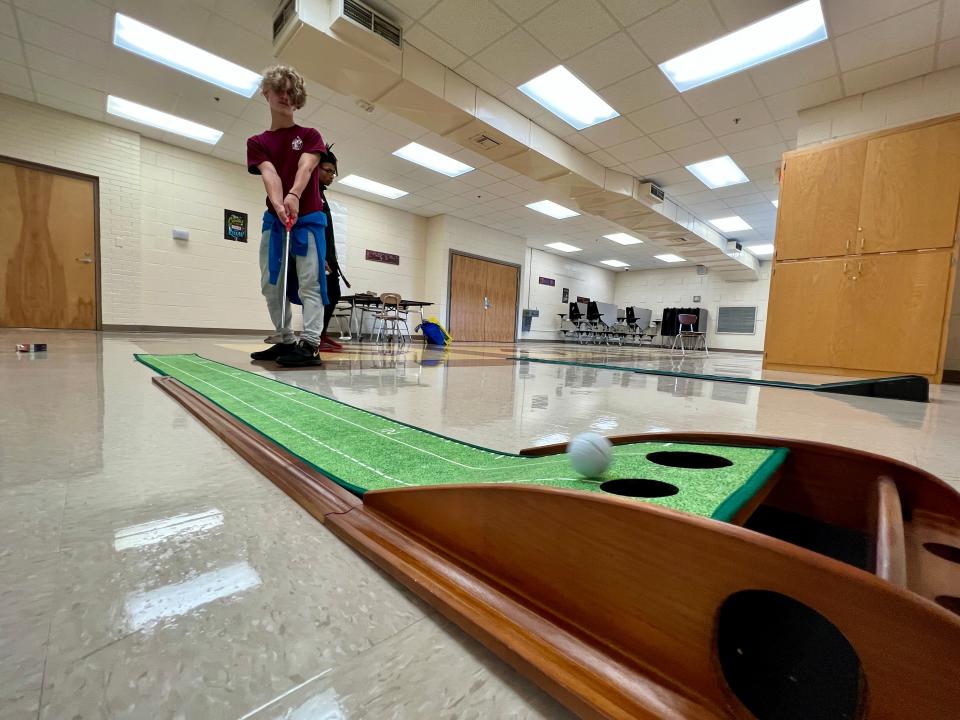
(610, 605)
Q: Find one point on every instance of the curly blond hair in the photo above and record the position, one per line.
(285, 77)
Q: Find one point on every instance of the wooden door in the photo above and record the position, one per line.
(500, 316)
(802, 312)
(911, 187)
(820, 202)
(467, 290)
(894, 307)
(48, 260)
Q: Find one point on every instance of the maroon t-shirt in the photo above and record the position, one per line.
(283, 148)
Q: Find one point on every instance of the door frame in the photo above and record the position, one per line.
(516, 307)
(96, 220)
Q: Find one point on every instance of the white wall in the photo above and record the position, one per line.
(922, 98)
(581, 279)
(659, 289)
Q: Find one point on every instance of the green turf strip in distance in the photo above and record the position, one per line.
(364, 451)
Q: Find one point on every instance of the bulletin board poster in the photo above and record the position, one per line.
(566, 295)
(235, 225)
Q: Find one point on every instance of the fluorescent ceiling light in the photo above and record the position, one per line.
(567, 97)
(432, 160)
(152, 44)
(552, 209)
(776, 204)
(718, 172)
(785, 32)
(761, 249)
(623, 239)
(733, 223)
(161, 120)
(371, 186)
(615, 263)
(563, 247)
(670, 258)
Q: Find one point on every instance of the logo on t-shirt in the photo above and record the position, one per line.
(297, 143)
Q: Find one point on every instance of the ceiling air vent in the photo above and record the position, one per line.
(485, 142)
(283, 16)
(368, 18)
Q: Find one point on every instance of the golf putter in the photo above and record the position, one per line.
(283, 274)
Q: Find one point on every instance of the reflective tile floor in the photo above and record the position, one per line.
(147, 572)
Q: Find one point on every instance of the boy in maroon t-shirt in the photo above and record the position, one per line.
(286, 157)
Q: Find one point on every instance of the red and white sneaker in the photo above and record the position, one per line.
(327, 340)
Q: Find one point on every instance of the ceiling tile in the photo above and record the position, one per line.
(500, 171)
(483, 78)
(697, 153)
(762, 136)
(581, 143)
(948, 55)
(738, 119)
(662, 115)
(889, 71)
(437, 48)
(467, 24)
(685, 188)
(900, 34)
(653, 165)
(63, 41)
(48, 85)
(11, 51)
(548, 121)
(22, 92)
(756, 156)
(722, 94)
(8, 23)
(627, 12)
(605, 158)
(674, 176)
(521, 10)
(638, 91)
(517, 57)
(87, 111)
(736, 14)
(253, 15)
(611, 132)
(14, 74)
(786, 104)
(414, 8)
(570, 26)
(842, 16)
(674, 30)
(799, 68)
(789, 127)
(85, 16)
(683, 135)
(608, 61)
(521, 103)
(634, 150)
(950, 25)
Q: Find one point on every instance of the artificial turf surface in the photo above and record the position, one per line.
(364, 451)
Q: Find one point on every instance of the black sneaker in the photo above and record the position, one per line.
(302, 355)
(272, 353)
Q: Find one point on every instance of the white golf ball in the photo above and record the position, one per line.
(590, 454)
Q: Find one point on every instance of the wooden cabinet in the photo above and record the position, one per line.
(820, 202)
(866, 253)
(911, 187)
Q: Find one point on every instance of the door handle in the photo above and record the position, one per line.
(486, 303)
(86, 260)
(860, 234)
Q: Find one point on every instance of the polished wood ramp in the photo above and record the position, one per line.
(625, 610)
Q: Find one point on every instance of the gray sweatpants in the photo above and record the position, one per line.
(308, 273)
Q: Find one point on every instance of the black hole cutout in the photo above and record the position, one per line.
(947, 552)
(950, 602)
(786, 661)
(691, 460)
(639, 488)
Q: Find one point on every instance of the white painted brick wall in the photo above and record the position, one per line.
(659, 289)
(922, 98)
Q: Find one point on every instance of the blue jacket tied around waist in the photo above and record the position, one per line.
(313, 225)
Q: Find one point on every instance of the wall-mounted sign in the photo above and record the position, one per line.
(234, 225)
(382, 257)
(581, 299)
(566, 295)
(547, 281)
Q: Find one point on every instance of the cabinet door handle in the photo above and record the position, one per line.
(860, 240)
(846, 246)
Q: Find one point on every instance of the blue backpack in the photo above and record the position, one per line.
(432, 333)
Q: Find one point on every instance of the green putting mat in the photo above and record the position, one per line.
(364, 451)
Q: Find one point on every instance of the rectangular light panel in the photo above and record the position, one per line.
(670, 258)
(734, 223)
(784, 32)
(718, 172)
(372, 186)
(623, 239)
(761, 249)
(152, 44)
(563, 247)
(567, 97)
(615, 263)
(161, 120)
(432, 160)
(552, 209)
